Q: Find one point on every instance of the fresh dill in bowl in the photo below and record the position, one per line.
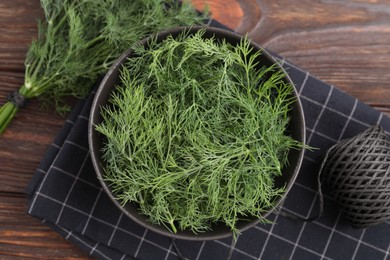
(195, 133)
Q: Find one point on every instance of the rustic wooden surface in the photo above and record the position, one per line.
(344, 42)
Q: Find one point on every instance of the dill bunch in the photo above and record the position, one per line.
(195, 133)
(80, 39)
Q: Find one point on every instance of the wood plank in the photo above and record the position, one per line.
(18, 21)
(345, 43)
(22, 236)
(25, 142)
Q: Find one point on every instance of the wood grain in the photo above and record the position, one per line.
(22, 236)
(345, 43)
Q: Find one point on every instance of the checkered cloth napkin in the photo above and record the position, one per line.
(67, 196)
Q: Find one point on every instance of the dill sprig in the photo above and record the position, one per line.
(196, 133)
(80, 39)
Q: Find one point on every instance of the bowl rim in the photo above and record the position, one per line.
(95, 109)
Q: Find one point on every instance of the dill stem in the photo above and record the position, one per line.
(93, 41)
(42, 61)
(26, 91)
(173, 227)
(7, 113)
(29, 64)
(59, 24)
(54, 30)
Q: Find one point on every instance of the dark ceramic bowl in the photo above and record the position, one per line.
(296, 129)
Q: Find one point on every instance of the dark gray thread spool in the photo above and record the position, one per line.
(357, 171)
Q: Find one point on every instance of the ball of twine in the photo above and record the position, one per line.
(357, 171)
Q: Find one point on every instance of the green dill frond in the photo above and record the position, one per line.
(79, 41)
(196, 133)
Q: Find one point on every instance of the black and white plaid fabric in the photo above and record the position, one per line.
(67, 196)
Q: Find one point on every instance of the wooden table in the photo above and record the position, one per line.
(345, 43)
